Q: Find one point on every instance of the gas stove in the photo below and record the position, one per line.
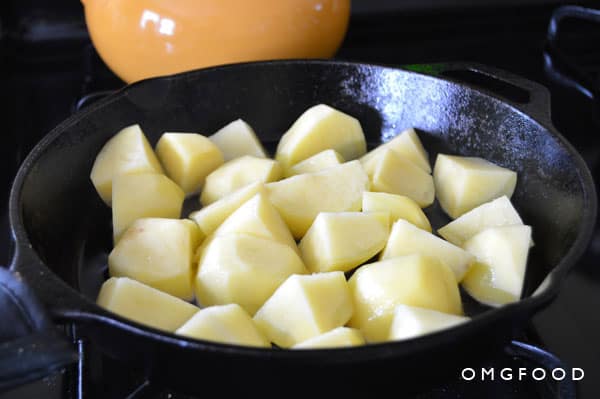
(52, 70)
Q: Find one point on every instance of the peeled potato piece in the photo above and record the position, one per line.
(159, 253)
(407, 145)
(143, 195)
(416, 280)
(398, 206)
(304, 307)
(464, 183)
(238, 139)
(238, 173)
(320, 128)
(299, 199)
(316, 163)
(127, 152)
(497, 277)
(144, 304)
(243, 269)
(406, 239)
(343, 240)
(336, 338)
(188, 158)
(410, 322)
(229, 324)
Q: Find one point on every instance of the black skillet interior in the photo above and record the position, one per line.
(69, 227)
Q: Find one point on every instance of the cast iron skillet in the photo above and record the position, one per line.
(62, 229)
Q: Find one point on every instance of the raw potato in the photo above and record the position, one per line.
(316, 163)
(188, 158)
(464, 183)
(416, 280)
(238, 173)
(390, 173)
(210, 217)
(304, 307)
(127, 152)
(336, 338)
(497, 277)
(159, 253)
(410, 322)
(407, 145)
(498, 212)
(343, 240)
(143, 195)
(229, 324)
(320, 128)
(243, 269)
(398, 206)
(406, 239)
(299, 199)
(144, 304)
(238, 139)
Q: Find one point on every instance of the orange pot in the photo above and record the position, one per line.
(145, 38)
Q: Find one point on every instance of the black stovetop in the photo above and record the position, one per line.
(45, 76)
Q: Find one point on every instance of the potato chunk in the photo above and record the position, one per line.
(336, 338)
(498, 212)
(127, 152)
(158, 252)
(343, 240)
(416, 280)
(398, 206)
(143, 195)
(407, 145)
(316, 163)
(229, 324)
(463, 183)
(144, 304)
(406, 239)
(497, 277)
(304, 307)
(390, 173)
(238, 139)
(238, 173)
(410, 322)
(299, 199)
(243, 269)
(188, 158)
(320, 128)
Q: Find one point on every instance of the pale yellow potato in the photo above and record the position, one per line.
(343, 240)
(416, 280)
(229, 324)
(237, 139)
(304, 307)
(126, 152)
(407, 145)
(299, 199)
(258, 217)
(398, 206)
(316, 163)
(390, 173)
(320, 128)
(143, 195)
(238, 173)
(499, 212)
(464, 183)
(158, 252)
(243, 269)
(410, 322)
(188, 158)
(337, 338)
(406, 239)
(210, 217)
(497, 277)
(144, 304)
